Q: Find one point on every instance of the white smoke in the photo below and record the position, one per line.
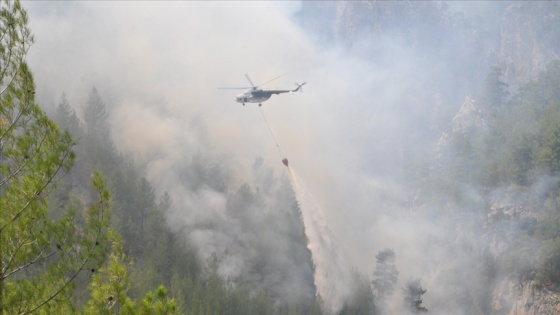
(157, 66)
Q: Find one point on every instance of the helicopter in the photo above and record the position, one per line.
(256, 95)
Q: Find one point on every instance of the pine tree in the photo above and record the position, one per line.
(413, 292)
(385, 274)
(39, 257)
(495, 91)
(158, 303)
(97, 143)
(67, 119)
(215, 287)
(95, 117)
(110, 284)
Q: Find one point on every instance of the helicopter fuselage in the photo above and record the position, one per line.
(256, 95)
(253, 96)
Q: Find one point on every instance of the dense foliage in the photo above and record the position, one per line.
(40, 256)
(524, 150)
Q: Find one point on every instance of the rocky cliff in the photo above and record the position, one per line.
(514, 298)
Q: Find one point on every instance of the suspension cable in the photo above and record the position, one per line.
(272, 134)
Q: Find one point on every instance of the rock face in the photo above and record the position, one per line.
(525, 47)
(469, 118)
(513, 298)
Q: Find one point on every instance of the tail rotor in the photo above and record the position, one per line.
(299, 87)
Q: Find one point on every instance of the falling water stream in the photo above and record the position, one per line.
(330, 275)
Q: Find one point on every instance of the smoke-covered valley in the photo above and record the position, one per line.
(392, 88)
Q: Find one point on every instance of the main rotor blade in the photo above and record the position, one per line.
(270, 80)
(252, 85)
(249, 79)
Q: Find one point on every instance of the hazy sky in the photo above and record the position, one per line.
(157, 65)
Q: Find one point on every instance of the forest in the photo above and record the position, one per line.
(85, 227)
